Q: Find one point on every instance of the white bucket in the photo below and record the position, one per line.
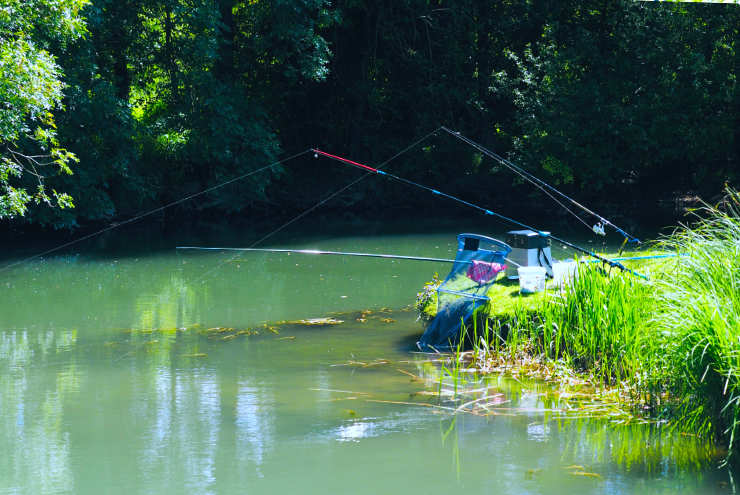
(531, 279)
(563, 272)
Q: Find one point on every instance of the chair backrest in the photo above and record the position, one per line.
(473, 248)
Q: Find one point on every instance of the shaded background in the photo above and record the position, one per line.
(631, 106)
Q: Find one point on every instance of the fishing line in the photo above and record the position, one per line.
(500, 159)
(521, 172)
(615, 264)
(539, 183)
(320, 203)
(151, 212)
(341, 190)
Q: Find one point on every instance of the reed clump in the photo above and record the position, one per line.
(596, 324)
(670, 345)
(695, 348)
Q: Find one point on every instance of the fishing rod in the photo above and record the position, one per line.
(392, 256)
(315, 251)
(337, 253)
(544, 186)
(638, 258)
(152, 211)
(615, 264)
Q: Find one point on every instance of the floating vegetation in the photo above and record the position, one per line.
(414, 378)
(585, 474)
(531, 473)
(232, 333)
(313, 322)
(195, 355)
(370, 364)
(463, 383)
(219, 330)
(308, 322)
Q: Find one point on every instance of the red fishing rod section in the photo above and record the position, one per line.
(345, 160)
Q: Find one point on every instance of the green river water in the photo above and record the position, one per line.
(111, 383)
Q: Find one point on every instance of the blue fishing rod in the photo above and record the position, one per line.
(615, 264)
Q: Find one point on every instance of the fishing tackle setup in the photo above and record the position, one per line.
(601, 222)
(486, 211)
(464, 289)
(479, 259)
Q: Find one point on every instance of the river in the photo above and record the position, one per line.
(111, 382)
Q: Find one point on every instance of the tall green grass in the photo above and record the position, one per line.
(673, 342)
(697, 322)
(596, 323)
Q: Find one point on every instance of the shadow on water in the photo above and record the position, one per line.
(407, 343)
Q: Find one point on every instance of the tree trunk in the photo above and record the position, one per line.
(227, 38)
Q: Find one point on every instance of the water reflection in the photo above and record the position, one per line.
(35, 444)
(541, 414)
(235, 416)
(254, 428)
(355, 430)
(102, 391)
(538, 432)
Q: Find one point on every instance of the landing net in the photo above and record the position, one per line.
(479, 262)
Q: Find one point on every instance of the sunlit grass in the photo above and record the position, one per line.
(670, 345)
(697, 323)
(596, 322)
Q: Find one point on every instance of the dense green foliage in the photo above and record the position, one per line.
(673, 340)
(30, 92)
(616, 95)
(609, 99)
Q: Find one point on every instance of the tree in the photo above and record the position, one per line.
(171, 97)
(31, 92)
(627, 99)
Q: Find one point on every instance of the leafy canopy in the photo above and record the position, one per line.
(30, 92)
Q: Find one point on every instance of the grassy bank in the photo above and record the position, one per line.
(671, 344)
